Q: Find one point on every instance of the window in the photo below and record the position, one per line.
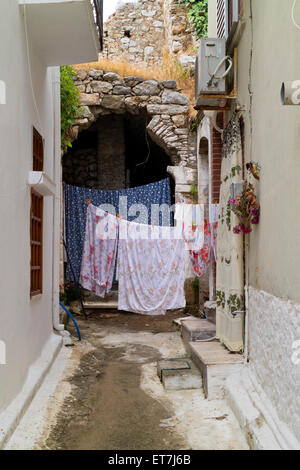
(37, 206)
(36, 222)
(38, 151)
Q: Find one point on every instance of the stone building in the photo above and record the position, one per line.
(142, 31)
(131, 132)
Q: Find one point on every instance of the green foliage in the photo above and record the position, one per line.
(193, 190)
(196, 284)
(68, 293)
(69, 103)
(198, 15)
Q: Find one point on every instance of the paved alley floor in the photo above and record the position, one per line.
(104, 394)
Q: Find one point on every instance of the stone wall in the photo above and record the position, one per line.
(80, 168)
(142, 31)
(167, 111)
(111, 153)
(136, 32)
(179, 34)
(99, 163)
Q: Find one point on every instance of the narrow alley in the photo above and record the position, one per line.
(149, 243)
(105, 394)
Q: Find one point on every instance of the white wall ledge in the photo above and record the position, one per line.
(41, 183)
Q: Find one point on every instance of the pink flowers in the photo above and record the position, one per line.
(255, 213)
(241, 228)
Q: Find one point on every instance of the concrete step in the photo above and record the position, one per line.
(210, 309)
(179, 374)
(215, 363)
(195, 330)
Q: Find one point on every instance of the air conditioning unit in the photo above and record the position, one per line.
(212, 70)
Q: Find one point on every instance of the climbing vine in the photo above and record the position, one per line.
(198, 15)
(69, 103)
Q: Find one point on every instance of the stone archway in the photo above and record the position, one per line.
(109, 103)
(165, 108)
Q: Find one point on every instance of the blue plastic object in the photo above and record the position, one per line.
(72, 318)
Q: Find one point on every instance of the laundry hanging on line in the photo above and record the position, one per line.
(200, 235)
(76, 201)
(190, 218)
(99, 253)
(200, 259)
(214, 210)
(150, 270)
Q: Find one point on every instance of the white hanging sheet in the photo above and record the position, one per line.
(151, 268)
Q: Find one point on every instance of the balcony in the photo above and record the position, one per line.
(64, 32)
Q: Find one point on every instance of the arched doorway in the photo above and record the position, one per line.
(116, 152)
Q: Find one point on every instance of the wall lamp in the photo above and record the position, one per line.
(290, 93)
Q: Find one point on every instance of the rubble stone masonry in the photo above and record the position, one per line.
(142, 31)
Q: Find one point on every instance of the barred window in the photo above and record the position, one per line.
(37, 207)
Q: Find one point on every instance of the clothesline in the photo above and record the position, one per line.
(150, 260)
(117, 202)
(150, 270)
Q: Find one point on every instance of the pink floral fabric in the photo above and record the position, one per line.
(200, 259)
(214, 238)
(151, 269)
(100, 249)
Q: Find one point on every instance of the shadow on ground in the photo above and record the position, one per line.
(107, 409)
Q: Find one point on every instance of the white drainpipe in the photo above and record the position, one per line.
(56, 203)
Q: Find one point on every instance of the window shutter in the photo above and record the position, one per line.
(221, 18)
(227, 15)
(37, 204)
(36, 222)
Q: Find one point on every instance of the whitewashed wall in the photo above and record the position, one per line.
(25, 325)
(274, 254)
